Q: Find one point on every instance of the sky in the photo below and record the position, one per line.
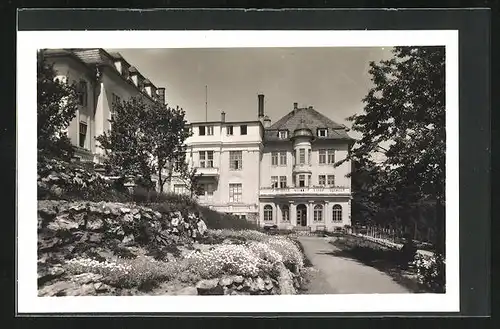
(333, 80)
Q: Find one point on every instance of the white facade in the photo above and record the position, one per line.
(102, 79)
(289, 182)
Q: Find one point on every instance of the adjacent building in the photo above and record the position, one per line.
(102, 78)
(279, 174)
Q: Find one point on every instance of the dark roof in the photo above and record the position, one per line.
(100, 57)
(307, 118)
(115, 55)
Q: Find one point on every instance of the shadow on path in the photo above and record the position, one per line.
(399, 275)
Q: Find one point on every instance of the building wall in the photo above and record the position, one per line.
(267, 169)
(340, 172)
(97, 111)
(71, 71)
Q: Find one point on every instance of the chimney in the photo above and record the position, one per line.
(267, 122)
(223, 116)
(261, 106)
(295, 106)
(161, 95)
(310, 107)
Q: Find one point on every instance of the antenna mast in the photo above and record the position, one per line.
(206, 103)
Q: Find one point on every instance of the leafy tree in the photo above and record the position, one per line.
(406, 108)
(126, 144)
(166, 136)
(57, 102)
(145, 140)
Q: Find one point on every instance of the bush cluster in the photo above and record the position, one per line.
(431, 271)
(73, 181)
(139, 272)
(259, 254)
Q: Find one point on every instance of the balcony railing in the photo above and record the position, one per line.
(208, 171)
(298, 191)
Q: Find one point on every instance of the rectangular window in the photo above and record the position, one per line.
(82, 93)
(203, 159)
(274, 158)
(302, 180)
(210, 189)
(235, 160)
(243, 129)
(180, 189)
(83, 134)
(235, 191)
(283, 158)
(331, 156)
(274, 181)
(309, 156)
(283, 134)
(322, 132)
(201, 130)
(229, 130)
(302, 156)
(210, 157)
(210, 130)
(282, 181)
(331, 180)
(322, 156)
(322, 180)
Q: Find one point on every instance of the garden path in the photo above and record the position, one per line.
(339, 275)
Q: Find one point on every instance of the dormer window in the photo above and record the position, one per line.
(322, 132)
(283, 134)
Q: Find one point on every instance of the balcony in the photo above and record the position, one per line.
(305, 191)
(208, 171)
(302, 168)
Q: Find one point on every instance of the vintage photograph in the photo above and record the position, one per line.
(241, 171)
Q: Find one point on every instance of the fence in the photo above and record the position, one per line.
(396, 235)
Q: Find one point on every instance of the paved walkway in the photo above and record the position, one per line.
(339, 275)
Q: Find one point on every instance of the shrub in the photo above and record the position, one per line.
(225, 259)
(289, 251)
(73, 181)
(217, 220)
(431, 271)
(245, 235)
(126, 273)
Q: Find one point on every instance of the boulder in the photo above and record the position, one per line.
(187, 291)
(259, 284)
(238, 279)
(85, 278)
(47, 273)
(209, 287)
(101, 287)
(128, 239)
(95, 224)
(225, 281)
(62, 223)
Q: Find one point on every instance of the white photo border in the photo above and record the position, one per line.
(29, 302)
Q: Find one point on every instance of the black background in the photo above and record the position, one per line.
(474, 101)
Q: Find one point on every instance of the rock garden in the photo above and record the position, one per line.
(92, 247)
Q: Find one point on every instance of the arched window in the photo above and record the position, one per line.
(268, 213)
(285, 213)
(318, 213)
(337, 213)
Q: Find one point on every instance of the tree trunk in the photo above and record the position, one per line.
(160, 180)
